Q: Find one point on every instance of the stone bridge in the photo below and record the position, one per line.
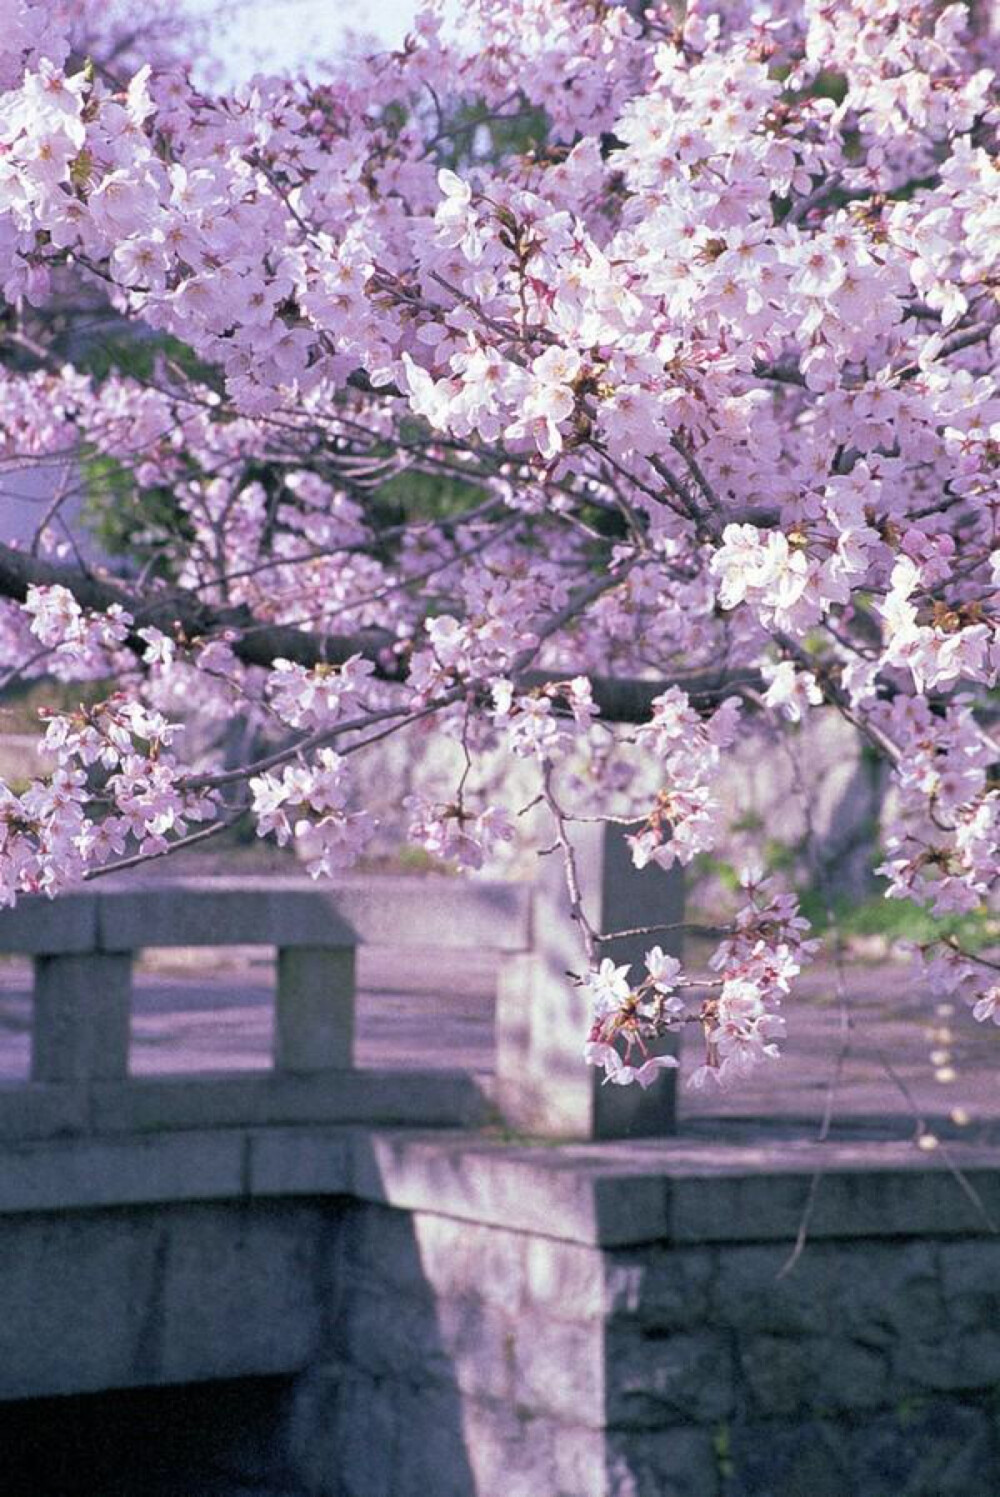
(327, 1282)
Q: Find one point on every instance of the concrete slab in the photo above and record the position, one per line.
(214, 912)
(85, 1174)
(39, 1110)
(40, 925)
(149, 1104)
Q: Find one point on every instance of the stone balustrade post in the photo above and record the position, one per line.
(81, 1016)
(314, 1008)
(543, 1084)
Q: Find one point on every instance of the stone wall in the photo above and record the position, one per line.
(455, 1315)
(468, 1359)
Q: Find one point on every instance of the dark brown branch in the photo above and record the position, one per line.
(183, 615)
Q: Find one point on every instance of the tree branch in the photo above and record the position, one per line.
(619, 699)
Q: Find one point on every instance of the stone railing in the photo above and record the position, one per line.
(83, 945)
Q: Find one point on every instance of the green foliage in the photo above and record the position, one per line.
(722, 1446)
(20, 705)
(426, 496)
(142, 358)
(514, 134)
(126, 520)
(897, 920)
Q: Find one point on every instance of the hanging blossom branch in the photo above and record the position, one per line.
(583, 455)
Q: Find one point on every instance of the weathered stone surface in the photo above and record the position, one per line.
(457, 1339)
(970, 1282)
(569, 1280)
(667, 1288)
(67, 1176)
(391, 1335)
(342, 1433)
(440, 1444)
(749, 1294)
(296, 1162)
(41, 1110)
(432, 1099)
(766, 1205)
(314, 1009)
(512, 1450)
(40, 925)
(671, 1463)
(77, 1302)
(572, 1195)
(819, 1374)
(666, 1378)
(962, 1359)
(137, 1297)
(240, 1290)
(560, 1369)
(379, 1248)
(934, 1449)
(459, 1258)
(809, 1458)
(297, 912)
(81, 1014)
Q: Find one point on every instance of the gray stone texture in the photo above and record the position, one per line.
(437, 1356)
(314, 1009)
(81, 1016)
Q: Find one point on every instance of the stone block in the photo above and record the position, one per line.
(289, 1161)
(41, 1110)
(924, 1449)
(970, 1282)
(379, 1247)
(81, 1016)
(678, 1377)
(72, 1175)
(560, 1369)
(962, 1360)
(512, 1452)
(458, 1343)
(451, 1448)
(342, 1433)
(385, 1333)
(42, 926)
(461, 1259)
(669, 1463)
(566, 1279)
(666, 1288)
(807, 1458)
(787, 1375)
(314, 1009)
(868, 1190)
(750, 1296)
(579, 1456)
(80, 1301)
(437, 912)
(892, 1295)
(478, 1341)
(257, 911)
(219, 912)
(567, 1194)
(241, 1290)
(220, 1100)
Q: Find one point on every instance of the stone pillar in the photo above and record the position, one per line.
(543, 1017)
(314, 1012)
(81, 1016)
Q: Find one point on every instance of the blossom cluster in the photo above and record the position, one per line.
(573, 383)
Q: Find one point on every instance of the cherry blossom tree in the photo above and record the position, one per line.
(692, 320)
